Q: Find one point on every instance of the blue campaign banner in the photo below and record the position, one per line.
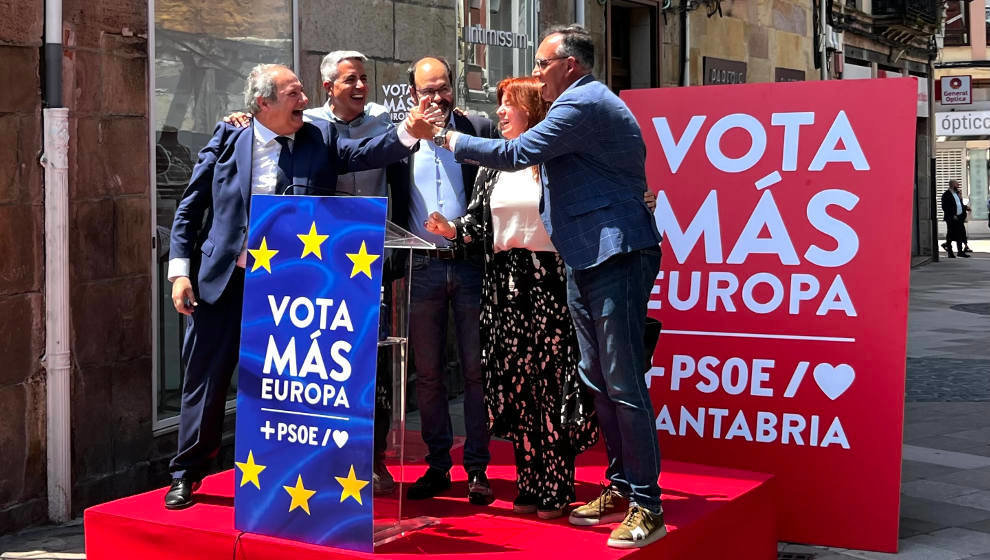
(306, 381)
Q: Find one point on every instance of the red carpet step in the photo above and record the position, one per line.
(711, 514)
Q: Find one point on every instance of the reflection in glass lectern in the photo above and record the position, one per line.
(389, 523)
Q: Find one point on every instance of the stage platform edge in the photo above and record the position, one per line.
(712, 513)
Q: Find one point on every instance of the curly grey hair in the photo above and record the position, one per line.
(261, 83)
(328, 68)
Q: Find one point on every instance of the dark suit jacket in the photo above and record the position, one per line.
(211, 220)
(949, 206)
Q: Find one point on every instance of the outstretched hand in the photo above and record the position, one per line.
(438, 224)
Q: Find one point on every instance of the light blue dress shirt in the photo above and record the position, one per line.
(438, 186)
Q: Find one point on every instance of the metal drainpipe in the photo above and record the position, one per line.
(579, 12)
(57, 358)
(685, 46)
(823, 36)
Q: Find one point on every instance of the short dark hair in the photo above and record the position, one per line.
(412, 70)
(576, 42)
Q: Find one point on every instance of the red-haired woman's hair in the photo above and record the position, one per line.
(524, 93)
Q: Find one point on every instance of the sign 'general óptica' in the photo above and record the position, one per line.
(785, 211)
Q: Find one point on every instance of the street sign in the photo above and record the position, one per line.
(957, 90)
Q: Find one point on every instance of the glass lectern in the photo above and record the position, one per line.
(393, 345)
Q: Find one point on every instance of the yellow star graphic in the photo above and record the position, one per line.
(300, 495)
(362, 261)
(352, 486)
(262, 256)
(250, 471)
(312, 241)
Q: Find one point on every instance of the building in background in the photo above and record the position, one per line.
(962, 104)
(145, 81)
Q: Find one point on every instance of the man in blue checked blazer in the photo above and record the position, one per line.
(593, 161)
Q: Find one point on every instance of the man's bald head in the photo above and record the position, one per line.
(433, 78)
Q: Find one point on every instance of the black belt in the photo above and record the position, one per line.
(444, 254)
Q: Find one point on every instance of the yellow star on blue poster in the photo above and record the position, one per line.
(362, 261)
(250, 471)
(300, 495)
(311, 242)
(352, 486)
(262, 256)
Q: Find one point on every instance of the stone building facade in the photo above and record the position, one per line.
(144, 82)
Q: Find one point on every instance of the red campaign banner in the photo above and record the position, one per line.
(785, 210)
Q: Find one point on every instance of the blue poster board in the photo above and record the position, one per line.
(306, 380)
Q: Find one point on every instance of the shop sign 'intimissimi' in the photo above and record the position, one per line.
(479, 35)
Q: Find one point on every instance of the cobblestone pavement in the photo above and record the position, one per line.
(945, 487)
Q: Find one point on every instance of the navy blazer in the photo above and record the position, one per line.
(211, 220)
(594, 173)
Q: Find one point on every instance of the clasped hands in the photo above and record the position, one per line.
(425, 120)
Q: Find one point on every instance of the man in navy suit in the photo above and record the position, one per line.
(593, 172)
(278, 154)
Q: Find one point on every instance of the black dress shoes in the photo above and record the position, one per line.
(479, 489)
(433, 482)
(179, 495)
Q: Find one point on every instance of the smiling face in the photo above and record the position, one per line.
(431, 81)
(554, 72)
(349, 92)
(284, 115)
(512, 119)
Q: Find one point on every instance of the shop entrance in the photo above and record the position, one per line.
(633, 45)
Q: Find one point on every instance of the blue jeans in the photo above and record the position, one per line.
(438, 285)
(608, 306)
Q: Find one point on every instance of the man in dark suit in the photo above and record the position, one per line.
(278, 154)
(593, 158)
(954, 214)
(446, 279)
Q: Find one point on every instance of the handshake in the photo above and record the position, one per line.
(425, 120)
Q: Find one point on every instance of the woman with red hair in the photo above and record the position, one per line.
(529, 352)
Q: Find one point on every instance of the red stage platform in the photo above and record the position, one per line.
(711, 514)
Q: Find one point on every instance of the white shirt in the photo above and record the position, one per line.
(959, 204)
(515, 205)
(264, 176)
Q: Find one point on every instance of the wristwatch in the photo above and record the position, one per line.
(440, 138)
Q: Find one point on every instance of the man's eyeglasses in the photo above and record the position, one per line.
(430, 92)
(542, 63)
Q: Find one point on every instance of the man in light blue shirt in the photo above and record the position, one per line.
(445, 280)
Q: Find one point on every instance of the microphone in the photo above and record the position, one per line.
(290, 189)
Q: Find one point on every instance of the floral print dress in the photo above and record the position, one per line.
(529, 358)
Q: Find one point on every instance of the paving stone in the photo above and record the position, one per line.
(942, 513)
(909, 527)
(947, 442)
(980, 500)
(909, 551)
(974, 478)
(955, 539)
(945, 458)
(913, 470)
(934, 490)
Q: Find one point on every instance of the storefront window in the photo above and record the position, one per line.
(978, 183)
(202, 51)
(496, 39)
